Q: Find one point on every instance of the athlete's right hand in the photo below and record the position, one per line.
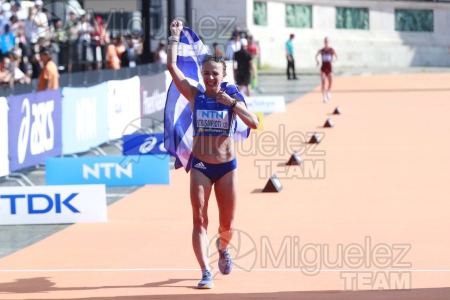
(175, 27)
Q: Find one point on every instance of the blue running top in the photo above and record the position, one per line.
(211, 118)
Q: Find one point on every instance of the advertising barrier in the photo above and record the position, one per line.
(109, 170)
(52, 204)
(143, 144)
(153, 93)
(85, 119)
(4, 161)
(266, 104)
(124, 107)
(34, 128)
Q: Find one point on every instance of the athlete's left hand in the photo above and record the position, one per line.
(224, 98)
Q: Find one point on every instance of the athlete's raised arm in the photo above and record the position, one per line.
(178, 77)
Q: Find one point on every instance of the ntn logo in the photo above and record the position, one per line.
(213, 114)
(99, 170)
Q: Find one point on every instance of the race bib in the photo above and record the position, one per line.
(213, 121)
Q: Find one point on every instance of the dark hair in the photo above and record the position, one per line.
(217, 59)
(45, 50)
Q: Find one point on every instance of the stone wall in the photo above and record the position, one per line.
(380, 45)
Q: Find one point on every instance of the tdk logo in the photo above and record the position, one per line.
(39, 203)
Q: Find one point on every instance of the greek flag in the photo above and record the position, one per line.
(178, 128)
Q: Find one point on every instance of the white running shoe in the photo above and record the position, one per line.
(325, 97)
(328, 96)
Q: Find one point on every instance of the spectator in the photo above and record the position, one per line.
(138, 46)
(244, 67)
(7, 40)
(18, 29)
(112, 57)
(19, 75)
(49, 77)
(71, 27)
(7, 72)
(85, 53)
(27, 68)
(238, 31)
(121, 48)
(216, 50)
(130, 56)
(41, 28)
(101, 38)
(59, 37)
(30, 33)
(233, 46)
(35, 58)
(160, 54)
(6, 15)
(254, 51)
(16, 8)
(290, 58)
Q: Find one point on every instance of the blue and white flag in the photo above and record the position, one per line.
(178, 128)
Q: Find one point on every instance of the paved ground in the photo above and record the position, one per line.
(13, 238)
(376, 219)
(272, 82)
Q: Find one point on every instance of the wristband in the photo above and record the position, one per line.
(174, 38)
(233, 105)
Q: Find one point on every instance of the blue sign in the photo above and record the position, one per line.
(34, 128)
(85, 118)
(143, 144)
(108, 170)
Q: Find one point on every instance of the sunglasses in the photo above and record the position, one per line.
(213, 58)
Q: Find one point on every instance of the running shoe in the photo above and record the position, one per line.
(325, 97)
(328, 96)
(225, 261)
(207, 280)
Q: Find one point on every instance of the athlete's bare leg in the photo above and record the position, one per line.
(323, 79)
(330, 81)
(200, 191)
(225, 189)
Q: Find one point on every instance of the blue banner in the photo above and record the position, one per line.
(34, 128)
(4, 159)
(144, 144)
(85, 118)
(108, 170)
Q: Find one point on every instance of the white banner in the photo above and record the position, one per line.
(4, 161)
(53, 204)
(124, 107)
(266, 104)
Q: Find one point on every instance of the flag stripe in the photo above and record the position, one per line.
(178, 128)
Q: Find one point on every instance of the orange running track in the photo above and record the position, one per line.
(368, 209)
